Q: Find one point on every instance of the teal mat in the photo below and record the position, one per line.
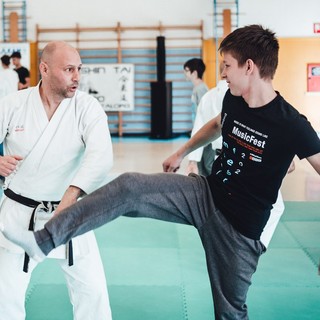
(48, 302)
(156, 270)
(147, 302)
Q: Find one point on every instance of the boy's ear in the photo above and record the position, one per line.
(249, 66)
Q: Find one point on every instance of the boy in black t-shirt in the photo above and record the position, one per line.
(261, 135)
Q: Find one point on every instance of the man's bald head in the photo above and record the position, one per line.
(54, 49)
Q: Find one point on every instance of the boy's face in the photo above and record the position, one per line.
(235, 76)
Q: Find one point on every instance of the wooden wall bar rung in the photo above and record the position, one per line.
(121, 28)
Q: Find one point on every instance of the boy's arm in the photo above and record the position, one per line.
(315, 161)
(209, 132)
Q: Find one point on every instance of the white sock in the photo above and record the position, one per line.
(25, 239)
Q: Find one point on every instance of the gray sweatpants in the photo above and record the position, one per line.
(231, 257)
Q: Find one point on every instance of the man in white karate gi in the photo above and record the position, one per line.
(58, 147)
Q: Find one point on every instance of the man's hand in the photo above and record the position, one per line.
(69, 198)
(8, 164)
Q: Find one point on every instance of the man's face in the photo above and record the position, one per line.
(63, 74)
(234, 75)
(15, 61)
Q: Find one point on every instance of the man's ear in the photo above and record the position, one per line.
(43, 67)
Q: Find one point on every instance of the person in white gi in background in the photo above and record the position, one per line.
(57, 147)
(9, 81)
(210, 105)
(9, 78)
(200, 160)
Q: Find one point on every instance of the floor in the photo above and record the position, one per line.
(156, 270)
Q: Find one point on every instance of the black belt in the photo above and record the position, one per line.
(34, 204)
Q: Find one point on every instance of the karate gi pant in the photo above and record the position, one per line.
(231, 257)
(270, 227)
(207, 159)
(85, 281)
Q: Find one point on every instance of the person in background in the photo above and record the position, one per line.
(23, 72)
(9, 79)
(58, 148)
(194, 70)
(201, 160)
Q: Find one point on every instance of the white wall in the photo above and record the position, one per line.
(65, 13)
(286, 17)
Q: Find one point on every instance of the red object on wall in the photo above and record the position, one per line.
(313, 77)
(316, 27)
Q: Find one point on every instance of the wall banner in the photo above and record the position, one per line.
(111, 84)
